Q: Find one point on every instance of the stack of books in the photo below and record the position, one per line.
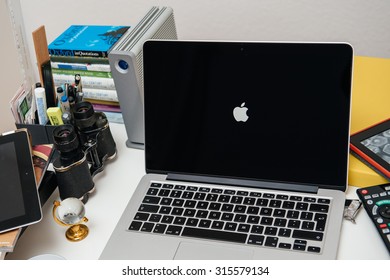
(83, 50)
(8, 241)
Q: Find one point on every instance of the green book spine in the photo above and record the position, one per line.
(82, 73)
(77, 59)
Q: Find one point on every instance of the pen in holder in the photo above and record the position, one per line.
(71, 213)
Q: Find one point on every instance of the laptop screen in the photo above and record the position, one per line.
(275, 112)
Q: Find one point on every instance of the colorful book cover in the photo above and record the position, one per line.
(87, 40)
(107, 108)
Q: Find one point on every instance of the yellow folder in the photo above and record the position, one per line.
(370, 105)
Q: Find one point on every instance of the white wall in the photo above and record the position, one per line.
(365, 24)
(10, 74)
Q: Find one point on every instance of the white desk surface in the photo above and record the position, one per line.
(114, 187)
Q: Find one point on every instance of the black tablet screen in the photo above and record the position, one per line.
(11, 196)
(19, 200)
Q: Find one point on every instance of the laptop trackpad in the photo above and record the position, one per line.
(193, 251)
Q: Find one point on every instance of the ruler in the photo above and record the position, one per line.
(17, 24)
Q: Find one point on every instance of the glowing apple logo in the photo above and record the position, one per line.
(239, 113)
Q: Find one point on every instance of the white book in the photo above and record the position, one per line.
(91, 82)
(100, 94)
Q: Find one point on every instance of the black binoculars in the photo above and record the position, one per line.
(83, 148)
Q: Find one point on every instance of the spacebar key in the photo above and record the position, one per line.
(214, 234)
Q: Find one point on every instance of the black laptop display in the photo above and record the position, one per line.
(298, 112)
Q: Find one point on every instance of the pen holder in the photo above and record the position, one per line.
(40, 134)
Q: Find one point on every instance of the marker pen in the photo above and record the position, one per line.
(65, 88)
(54, 114)
(79, 96)
(71, 91)
(40, 100)
(60, 93)
(71, 101)
(67, 118)
(65, 107)
(77, 82)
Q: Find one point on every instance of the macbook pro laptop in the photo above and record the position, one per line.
(246, 151)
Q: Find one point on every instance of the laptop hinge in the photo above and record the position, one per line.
(241, 182)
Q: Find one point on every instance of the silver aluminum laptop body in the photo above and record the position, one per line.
(255, 117)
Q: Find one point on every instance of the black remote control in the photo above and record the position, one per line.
(376, 201)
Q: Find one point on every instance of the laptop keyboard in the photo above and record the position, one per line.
(258, 218)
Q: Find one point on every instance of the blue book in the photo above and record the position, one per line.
(87, 40)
